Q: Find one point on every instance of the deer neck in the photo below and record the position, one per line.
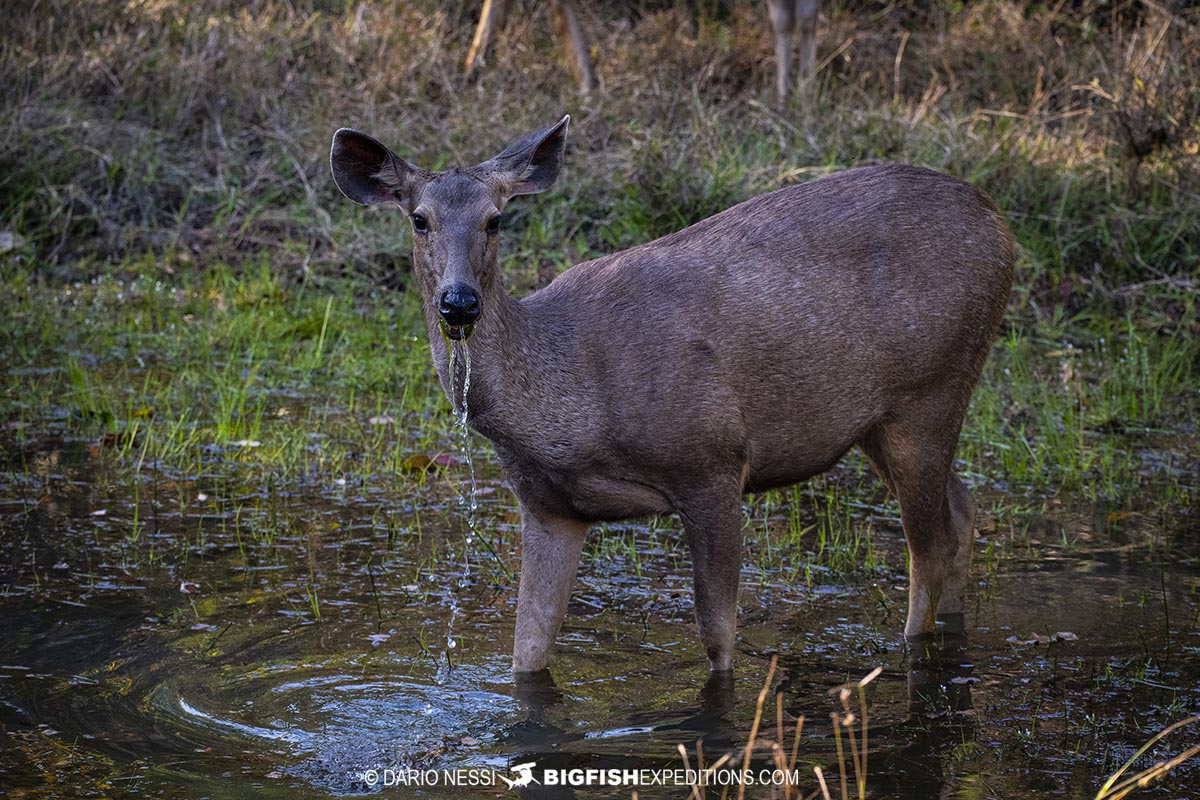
(511, 366)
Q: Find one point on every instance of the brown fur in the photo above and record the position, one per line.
(748, 351)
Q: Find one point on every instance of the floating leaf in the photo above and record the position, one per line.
(187, 587)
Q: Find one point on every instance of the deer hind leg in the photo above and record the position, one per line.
(783, 20)
(913, 453)
(712, 520)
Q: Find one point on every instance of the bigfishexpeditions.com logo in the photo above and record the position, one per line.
(527, 774)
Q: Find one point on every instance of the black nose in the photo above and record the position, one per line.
(459, 305)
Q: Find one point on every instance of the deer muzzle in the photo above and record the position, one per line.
(459, 307)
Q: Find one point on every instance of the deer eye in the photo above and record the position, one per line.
(420, 224)
(493, 225)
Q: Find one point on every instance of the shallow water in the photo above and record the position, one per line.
(193, 636)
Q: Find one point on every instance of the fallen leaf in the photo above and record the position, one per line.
(416, 463)
(1065, 636)
(187, 587)
(419, 462)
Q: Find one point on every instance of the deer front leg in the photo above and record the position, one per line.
(550, 551)
(714, 531)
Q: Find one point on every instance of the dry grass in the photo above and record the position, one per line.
(850, 730)
(198, 131)
(851, 736)
(1118, 786)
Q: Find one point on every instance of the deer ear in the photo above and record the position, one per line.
(530, 164)
(369, 173)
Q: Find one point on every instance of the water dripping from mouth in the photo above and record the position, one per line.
(460, 362)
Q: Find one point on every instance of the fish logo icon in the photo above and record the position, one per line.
(524, 775)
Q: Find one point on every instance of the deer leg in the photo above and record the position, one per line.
(569, 28)
(490, 20)
(962, 525)
(807, 12)
(913, 453)
(713, 523)
(783, 20)
(550, 551)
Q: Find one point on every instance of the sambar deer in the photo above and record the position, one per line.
(748, 351)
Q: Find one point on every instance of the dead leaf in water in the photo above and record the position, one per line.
(187, 587)
(419, 462)
(1065, 636)
(416, 463)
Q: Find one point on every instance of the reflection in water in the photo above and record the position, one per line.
(110, 668)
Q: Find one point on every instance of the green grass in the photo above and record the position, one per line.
(302, 383)
(274, 384)
(188, 292)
